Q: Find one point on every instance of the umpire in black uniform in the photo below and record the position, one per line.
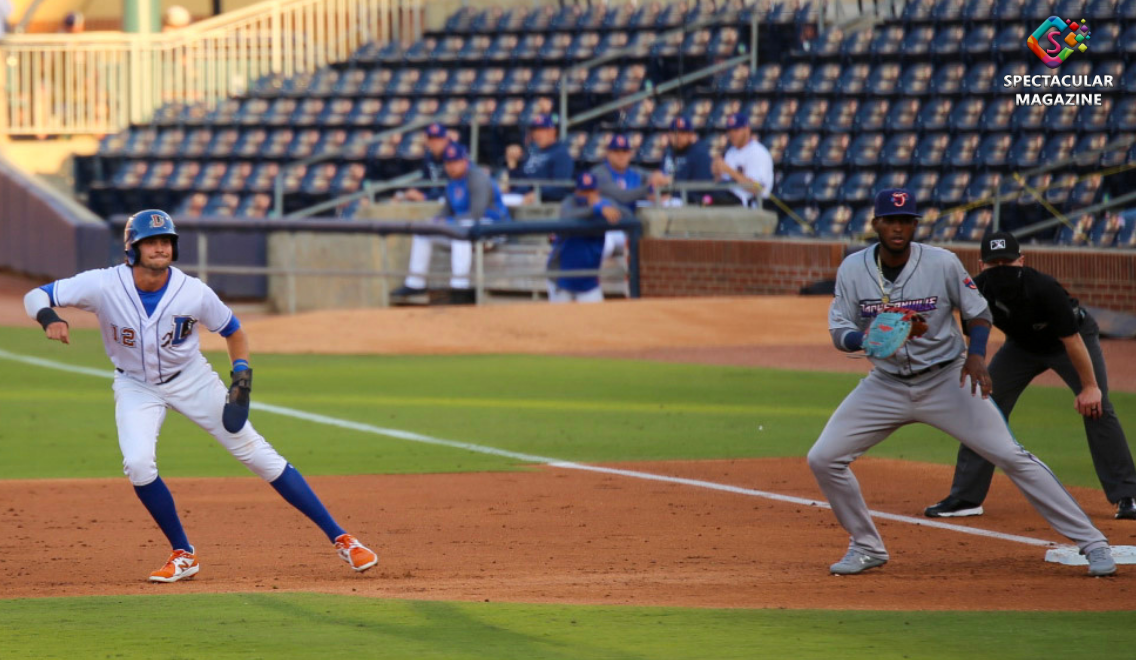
(1045, 329)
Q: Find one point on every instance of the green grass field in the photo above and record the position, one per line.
(59, 424)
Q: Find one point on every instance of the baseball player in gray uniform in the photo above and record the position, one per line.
(924, 381)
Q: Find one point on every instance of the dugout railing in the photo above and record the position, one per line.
(198, 230)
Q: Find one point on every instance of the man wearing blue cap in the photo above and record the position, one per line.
(923, 380)
(437, 138)
(746, 162)
(581, 252)
(548, 158)
(624, 184)
(687, 158)
(471, 196)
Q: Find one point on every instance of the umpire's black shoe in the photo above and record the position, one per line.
(953, 507)
(1126, 508)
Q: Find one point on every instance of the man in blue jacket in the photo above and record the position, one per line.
(548, 158)
(624, 184)
(581, 252)
(471, 197)
(437, 139)
(687, 158)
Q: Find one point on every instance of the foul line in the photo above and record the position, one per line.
(554, 462)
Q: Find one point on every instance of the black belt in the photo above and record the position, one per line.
(161, 382)
(931, 369)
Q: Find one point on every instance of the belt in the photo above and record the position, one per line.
(161, 382)
(931, 369)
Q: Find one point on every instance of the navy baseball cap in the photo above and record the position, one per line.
(454, 151)
(619, 142)
(737, 120)
(586, 181)
(681, 125)
(542, 121)
(895, 201)
(435, 130)
(1000, 245)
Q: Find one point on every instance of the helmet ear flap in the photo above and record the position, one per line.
(131, 255)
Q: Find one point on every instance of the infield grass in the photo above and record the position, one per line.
(562, 408)
(299, 625)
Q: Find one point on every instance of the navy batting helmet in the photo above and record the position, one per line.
(147, 224)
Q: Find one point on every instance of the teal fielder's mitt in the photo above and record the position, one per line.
(891, 329)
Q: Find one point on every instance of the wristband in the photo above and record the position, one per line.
(978, 336)
(240, 365)
(853, 340)
(47, 316)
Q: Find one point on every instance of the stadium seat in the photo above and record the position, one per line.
(982, 186)
(994, 151)
(794, 78)
(922, 185)
(966, 115)
(196, 143)
(886, 42)
(833, 151)
(946, 227)
(865, 150)
(794, 188)
(976, 46)
(962, 151)
(1084, 193)
(856, 45)
(1078, 234)
(978, 12)
(860, 226)
(996, 115)
(780, 118)
(871, 116)
(841, 116)
(853, 80)
(917, 11)
(833, 221)
(823, 79)
(1126, 234)
(1026, 151)
(1036, 11)
(883, 79)
(948, 78)
(1122, 118)
(917, 42)
(899, 150)
(1106, 37)
(934, 116)
(1107, 230)
(947, 11)
(811, 116)
(765, 79)
(1099, 11)
(916, 79)
(776, 144)
(975, 225)
(825, 188)
(926, 224)
(801, 151)
(1027, 118)
(1093, 118)
(1008, 43)
(859, 188)
(949, 41)
(903, 115)
(1061, 118)
(733, 81)
(890, 180)
(827, 45)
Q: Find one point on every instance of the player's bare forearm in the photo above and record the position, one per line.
(1088, 401)
(238, 346)
(975, 365)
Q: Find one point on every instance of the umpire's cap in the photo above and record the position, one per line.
(895, 201)
(1000, 245)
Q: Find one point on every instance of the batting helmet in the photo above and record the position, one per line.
(147, 224)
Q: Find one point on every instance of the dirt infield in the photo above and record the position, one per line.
(557, 535)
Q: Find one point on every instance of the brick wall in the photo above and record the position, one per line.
(689, 267)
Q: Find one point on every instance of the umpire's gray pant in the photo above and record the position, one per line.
(1012, 369)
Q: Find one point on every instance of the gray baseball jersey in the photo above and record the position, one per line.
(921, 384)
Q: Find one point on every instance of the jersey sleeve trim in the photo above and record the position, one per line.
(232, 326)
(49, 289)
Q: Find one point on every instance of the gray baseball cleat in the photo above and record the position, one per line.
(857, 562)
(1101, 562)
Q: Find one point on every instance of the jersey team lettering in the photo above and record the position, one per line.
(871, 308)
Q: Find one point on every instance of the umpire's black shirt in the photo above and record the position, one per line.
(1035, 312)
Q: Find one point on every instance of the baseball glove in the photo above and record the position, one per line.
(891, 329)
(236, 411)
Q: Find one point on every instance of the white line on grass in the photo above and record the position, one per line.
(551, 462)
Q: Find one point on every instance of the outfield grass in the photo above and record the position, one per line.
(248, 626)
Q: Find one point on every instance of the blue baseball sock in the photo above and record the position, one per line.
(295, 490)
(160, 503)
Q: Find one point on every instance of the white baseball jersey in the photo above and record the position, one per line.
(753, 162)
(148, 347)
(933, 282)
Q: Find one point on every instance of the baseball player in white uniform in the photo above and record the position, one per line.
(925, 381)
(148, 314)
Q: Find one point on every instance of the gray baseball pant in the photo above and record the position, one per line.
(882, 403)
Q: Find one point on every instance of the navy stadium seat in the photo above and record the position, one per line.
(883, 80)
(865, 150)
(975, 225)
(982, 186)
(917, 42)
(916, 79)
(833, 151)
(886, 42)
(1026, 151)
(853, 80)
(978, 11)
(1008, 11)
(947, 11)
(902, 115)
(890, 180)
(949, 41)
(933, 116)
(948, 78)
(1028, 118)
(966, 115)
(1099, 11)
(917, 11)
(871, 116)
(856, 45)
(841, 116)
(827, 44)
(810, 116)
(1009, 42)
(976, 45)
(1036, 11)
(962, 151)
(922, 185)
(794, 188)
(899, 150)
(825, 187)
(780, 118)
(833, 221)
(823, 79)
(859, 188)
(994, 151)
(996, 115)
(802, 150)
(794, 78)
